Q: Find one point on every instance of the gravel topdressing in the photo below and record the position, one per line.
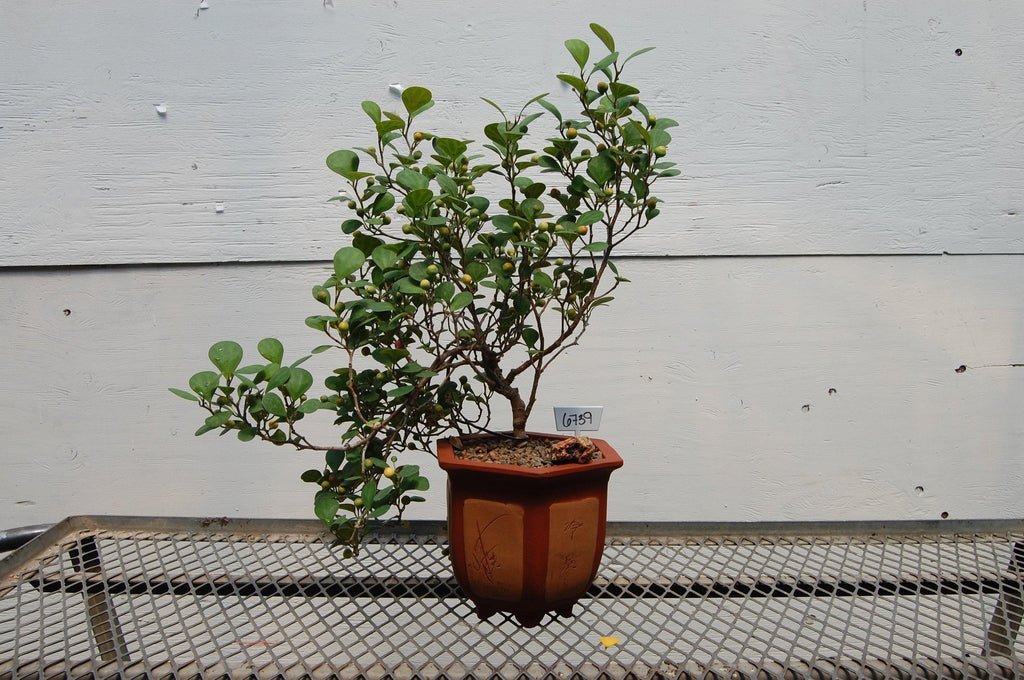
(530, 452)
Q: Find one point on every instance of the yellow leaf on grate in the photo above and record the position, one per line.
(609, 641)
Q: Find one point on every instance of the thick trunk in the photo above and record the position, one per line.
(519, 415)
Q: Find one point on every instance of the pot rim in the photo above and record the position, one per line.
(446, 458)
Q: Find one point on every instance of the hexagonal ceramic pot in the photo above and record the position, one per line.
(526, 540)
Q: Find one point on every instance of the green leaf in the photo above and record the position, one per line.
(596, 247)
(310, 406)
(247, 434)
(348, 260)
(419, 199)
(601, 168)
(401, 391)
(478, 270)
(325, 506)
(226, 356)
(279, 377)
(496, 133)
(542, 280)
(605, 63)
(274, 405)
(183, 394)
(620, 90)
(321, 348)
(590, 217)
(411, 179)
(204, 429)
(300, 381)
(317, 322)
(579, 50)
(449, 148)
(576, 83)
(389, 356)
(384, 257)
(219, 418)
(463, 299)
(548, 163)
(496, 107)
(551, 109)
(409, 287)
(384, 202)
(204, 383)
(271, 349)
(312, 476)
(606, 37)
(386, 126)
(343, 162)
(372, 110)
(408, 471)
(334, 459)
(369, 491)
(447, 184)
(530, 336)
(637, 54)
(445, 290)
(415, 98)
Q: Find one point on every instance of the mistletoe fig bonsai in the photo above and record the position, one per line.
(445, 300)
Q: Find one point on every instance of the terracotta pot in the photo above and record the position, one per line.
(526, 540)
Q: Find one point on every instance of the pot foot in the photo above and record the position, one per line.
(530, 620)
(565, 612)
(484, 613)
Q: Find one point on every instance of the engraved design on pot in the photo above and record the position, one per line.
(493, 534)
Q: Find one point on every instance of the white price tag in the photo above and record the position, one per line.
(578, 418)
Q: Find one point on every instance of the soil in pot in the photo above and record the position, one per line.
(532, 452)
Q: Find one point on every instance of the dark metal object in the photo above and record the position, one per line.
(131, 597)
(12, 539)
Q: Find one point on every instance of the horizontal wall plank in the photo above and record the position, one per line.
(736, 389)
(807, 127)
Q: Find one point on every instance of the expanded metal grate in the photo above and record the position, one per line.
(148, 597)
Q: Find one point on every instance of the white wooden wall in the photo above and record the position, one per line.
(848, 231)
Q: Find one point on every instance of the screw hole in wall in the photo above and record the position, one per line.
(958, 52)
(919, 490)
(67, 312)
(944, 515)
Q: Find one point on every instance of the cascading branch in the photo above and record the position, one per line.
(446, 299)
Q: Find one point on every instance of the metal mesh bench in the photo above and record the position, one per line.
(160, 597)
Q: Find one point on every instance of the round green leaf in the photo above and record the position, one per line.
(461, 300)
(300, 381)
(325, 506)
(204, 383)
(343, 161)
(274, 405)
(226, 356)
(384, 257)
(271, 349)
(415, 98)
(348, 260)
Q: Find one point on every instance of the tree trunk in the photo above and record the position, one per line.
(519, 415)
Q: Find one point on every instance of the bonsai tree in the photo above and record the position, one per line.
(446, 300)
